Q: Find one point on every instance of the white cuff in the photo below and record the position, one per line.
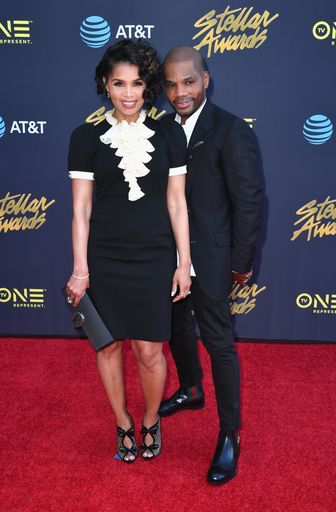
(177, 171)
(81, 175)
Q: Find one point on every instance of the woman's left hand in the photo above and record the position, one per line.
(181, 281)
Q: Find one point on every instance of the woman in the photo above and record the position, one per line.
(123, 242)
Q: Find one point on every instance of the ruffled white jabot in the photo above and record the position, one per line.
(131, 143)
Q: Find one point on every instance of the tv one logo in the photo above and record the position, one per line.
(23, 127)
(325, 304)
(15, 32)
(23, 297)
(96, 31)
(325, 30)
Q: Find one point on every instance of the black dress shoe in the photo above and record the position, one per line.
(224, 463)
(184, 398)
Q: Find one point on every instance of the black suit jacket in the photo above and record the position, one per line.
(224, 196)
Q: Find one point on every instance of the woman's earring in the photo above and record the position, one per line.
(108, 94)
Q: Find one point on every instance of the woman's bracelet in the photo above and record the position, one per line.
(80, 277)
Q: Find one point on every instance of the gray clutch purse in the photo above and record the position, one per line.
(86, 317)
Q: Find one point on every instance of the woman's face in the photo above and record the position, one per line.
(126, 91)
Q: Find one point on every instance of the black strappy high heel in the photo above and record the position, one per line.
(155, 447)
(123, 450)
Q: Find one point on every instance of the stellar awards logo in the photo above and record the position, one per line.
(98, 116)
(20, 212)
(242, 299)
(95, 31)
(250, 121)
(316, 219)
(233, 29)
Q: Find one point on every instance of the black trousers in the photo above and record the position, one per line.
(214, 320)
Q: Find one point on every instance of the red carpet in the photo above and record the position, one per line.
(58, 440)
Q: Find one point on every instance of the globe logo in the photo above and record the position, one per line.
(2, 127)
(95, 31)
(317, 129)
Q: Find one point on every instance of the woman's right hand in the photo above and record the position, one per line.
(75, 288)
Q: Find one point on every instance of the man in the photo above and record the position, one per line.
(224, 200)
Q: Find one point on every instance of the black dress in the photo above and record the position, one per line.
(131, 249)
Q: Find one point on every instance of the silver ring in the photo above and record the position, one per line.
(70, 299)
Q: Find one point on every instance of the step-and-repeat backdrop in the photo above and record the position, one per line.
(271, 63)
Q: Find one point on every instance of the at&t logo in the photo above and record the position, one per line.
(23, 297)
(325, 30)
(2, 127)
(15, 32)
(23, 127)
(317, 129)
(317, 303)
(95, 31)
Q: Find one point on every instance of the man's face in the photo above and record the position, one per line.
(185, 86)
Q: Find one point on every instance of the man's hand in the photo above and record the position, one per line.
(241, 278)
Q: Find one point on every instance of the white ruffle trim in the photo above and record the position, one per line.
(131, 143)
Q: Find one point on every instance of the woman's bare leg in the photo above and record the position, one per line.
(152, 371)
(110, 368)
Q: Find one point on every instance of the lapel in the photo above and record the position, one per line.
(198, 141)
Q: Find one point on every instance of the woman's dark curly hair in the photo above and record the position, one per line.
(140, 54)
